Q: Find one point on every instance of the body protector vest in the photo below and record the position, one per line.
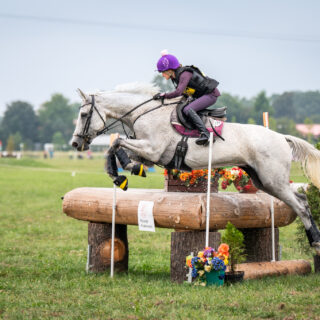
(199, 83)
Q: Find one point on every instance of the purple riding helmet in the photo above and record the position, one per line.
(167, 61)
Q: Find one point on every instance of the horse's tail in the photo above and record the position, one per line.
(309, 157)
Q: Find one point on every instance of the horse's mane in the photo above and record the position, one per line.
(138, 87)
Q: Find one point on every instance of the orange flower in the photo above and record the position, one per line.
(184, 176)
(224, 249)
(188, 261)
(193, 180)
(165, 172)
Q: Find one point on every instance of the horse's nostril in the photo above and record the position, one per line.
(74, 144)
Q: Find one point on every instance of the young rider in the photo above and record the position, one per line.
(191, 81)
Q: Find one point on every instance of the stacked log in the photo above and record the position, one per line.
(178, 210)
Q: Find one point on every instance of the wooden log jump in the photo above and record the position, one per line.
(184, 211)
(178, 210)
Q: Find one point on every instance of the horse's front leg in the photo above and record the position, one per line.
(135, 167)
(112, 169)
(111, 165)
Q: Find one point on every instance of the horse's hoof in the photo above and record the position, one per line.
(138, 170)
(121, 182)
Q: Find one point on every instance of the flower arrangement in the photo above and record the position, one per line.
(236, 176)
(208, 260)
(194, 177)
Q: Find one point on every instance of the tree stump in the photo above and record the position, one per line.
(99, 240)
(258, 243)
(316, 260)
(182, 244)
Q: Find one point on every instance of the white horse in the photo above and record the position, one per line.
(264, 154)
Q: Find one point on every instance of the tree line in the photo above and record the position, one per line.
(54, 121)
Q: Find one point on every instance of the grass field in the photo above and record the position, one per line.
(43, 258)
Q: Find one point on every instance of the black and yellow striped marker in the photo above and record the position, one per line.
(121, 182)
(138, 170)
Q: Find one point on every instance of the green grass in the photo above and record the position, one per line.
(43, 258)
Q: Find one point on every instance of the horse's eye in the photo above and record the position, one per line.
(84, 115)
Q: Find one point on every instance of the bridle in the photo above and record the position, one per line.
(85, 136)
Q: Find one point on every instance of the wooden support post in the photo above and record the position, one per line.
(316, 260)
(258, 244)
(185, 242)
(99, 238)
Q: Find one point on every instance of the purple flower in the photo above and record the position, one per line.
(208, 252)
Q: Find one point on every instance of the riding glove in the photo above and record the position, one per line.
(158, 96)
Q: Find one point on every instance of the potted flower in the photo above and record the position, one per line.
(235, 239)
(194, 181)
(209, 265)
(239, 178)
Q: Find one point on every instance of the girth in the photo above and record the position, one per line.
(177, 162)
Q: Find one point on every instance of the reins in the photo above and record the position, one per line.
(109, 127)
(112, 125)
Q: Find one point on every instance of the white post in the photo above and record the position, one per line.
(113, 229)
(266, 124)
(272, 230)
(208, 190)
(88, 266)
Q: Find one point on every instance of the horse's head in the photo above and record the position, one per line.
(91, 120)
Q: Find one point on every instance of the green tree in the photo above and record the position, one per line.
(272, 124)
(251, 121)
(19, 117)
(17, 138)
(56, 115)
(261, 104)
(58, 140)
(10, 145)
(287, 126)
(236, 111)
(283, 105)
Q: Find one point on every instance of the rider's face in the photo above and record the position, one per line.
(167, 74)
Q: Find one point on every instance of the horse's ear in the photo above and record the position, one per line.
(82, 94)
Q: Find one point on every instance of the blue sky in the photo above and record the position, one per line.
(248, 46)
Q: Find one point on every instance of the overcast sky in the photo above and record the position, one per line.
(248, 46)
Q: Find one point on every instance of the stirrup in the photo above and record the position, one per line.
(203, 140)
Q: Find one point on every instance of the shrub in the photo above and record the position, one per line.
(235, 239)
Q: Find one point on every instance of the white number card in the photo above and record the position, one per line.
(145, 216)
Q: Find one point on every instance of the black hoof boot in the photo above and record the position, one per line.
(203, 140)
(112, 168)
(121, 182)
(123, 158)
(138, 170)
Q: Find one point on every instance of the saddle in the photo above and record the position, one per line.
(213, 119)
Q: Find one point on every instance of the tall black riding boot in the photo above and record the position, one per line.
(198, 123)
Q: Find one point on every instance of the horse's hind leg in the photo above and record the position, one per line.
(276, 183)
(273, 177)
